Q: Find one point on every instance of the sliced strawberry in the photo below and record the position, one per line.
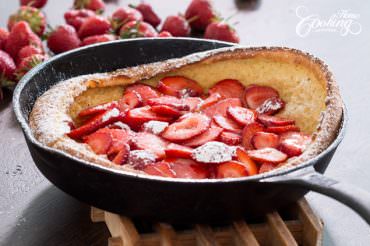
(162, 169)
(271, 106)
(99, 142)
(282, 129)
(193, 103)
(248, 133)
(211, 134)
(293, 143)
(267, 155)
(228, 88)
(213, 152)
(132, 99)
(242, 116)
(255, 95)
(269, 120)
(249, 164)
(137, 116)
(155, 127)
(179, 86)
(166, 111)
(188, 126)
(211, 100)
(150, 142)
(97, 122)
(220, 108)
(119, 139)
(231, 169)
(139, 159)
(122, 155)
(186, 168)
(262, 140)
(266, 167)
(178, 151)
(227, 124)
(171, 101)
(145, 91)
(97, 109)
(230, 138)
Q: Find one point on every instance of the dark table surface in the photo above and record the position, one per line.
(34, 212)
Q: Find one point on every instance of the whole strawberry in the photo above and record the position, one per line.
(98, 39)
(148, 13)
(200, 13)
(136, 29)
(63, 38)
(21, 35)
(4, 34)
(165, 34)
(177, 26)
(221, 31)
(27, 51)
(76, 17)
(28, 63)
(33, 16)
(7, 69)
(94, 5)
(34, 3)
(94, 25)
(123, 15)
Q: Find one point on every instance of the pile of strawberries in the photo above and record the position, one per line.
(21, 46)
(177, 130)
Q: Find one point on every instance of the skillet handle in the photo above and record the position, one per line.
(354, 197)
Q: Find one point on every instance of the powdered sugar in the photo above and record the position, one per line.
(213, 152)
(138, 159)
(110, 114)
(155, 127)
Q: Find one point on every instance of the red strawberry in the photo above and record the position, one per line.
(148, 13)
(166, 111)
(213, 152)
(164, 34)
(162, 168)
(150, 142)
(122, 155)
(186, 168)
(177, 26)
(221, 31)
(94, 5)
(99, 142)
(7, 66)
(228, 88)
(193, 103)
(94, 25)
(255, 95)
(120, 138)
(227, 124)
(220, 108)
(293, 143)
(123, 15)
(94, 110)
(21, 35)
(209, 101)
(33, 16)
(63, 38)
(76, 17)
(262, 140)
(270, 155)
(137, 29)
(231, 169)
(248, 133)
(281, 129)
(201, 14)
(97, 122)
(145, 91)
(28, 63)
(4, 34)
(178, 151)
(269, 120)
(209, 135)
(271, 106)
(179, 86)
(230, 138)
(242, 116)
(139, 159)
(171, 101)
(34, 3)
(250, 165)
(29, 50)
(188, 126)
(266, 167)
(137, 116)
(98, 39)
(155, 127)
(132, 99)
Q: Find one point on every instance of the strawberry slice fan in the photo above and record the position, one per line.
(183, 131)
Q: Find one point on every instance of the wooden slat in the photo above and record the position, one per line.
(122, 227)
(115, 241)
(205, 236)
(96, 215)
(243, 234)
(311, 224)
(280, 234)
(166, 234)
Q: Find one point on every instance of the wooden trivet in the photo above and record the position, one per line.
(296, 225)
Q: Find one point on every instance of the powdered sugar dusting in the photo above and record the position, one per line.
(110, 114)
(155, 127)
(213, 152)
(138, 159)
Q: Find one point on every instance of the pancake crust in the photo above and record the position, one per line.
(303, 82)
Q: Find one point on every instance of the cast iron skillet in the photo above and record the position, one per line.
(156, 198)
